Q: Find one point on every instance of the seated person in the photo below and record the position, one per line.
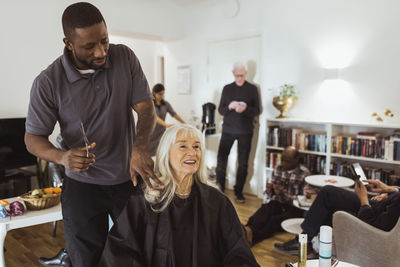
(287, 182)
(381, 211)
(187, 223)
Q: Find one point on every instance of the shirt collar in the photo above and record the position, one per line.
(290, 171)
(72, 73)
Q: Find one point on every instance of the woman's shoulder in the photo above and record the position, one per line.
(136, 200)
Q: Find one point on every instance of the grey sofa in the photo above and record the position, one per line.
(359, 243)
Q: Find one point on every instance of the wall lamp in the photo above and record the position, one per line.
(333, 74)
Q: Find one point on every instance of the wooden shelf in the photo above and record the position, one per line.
(301, 151)
(308, 122)
(275, 148)
(336, 155)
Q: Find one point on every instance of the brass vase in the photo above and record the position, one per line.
(283, 104)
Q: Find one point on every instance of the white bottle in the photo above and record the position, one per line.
(325, 246)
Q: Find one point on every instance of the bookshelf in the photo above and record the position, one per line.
(337, 145)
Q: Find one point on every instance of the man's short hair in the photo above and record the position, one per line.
(295, 152)
(80, 15)
(239, 65)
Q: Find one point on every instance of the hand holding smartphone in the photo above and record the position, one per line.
(358, 171)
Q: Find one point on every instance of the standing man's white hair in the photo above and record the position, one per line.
(239, 65)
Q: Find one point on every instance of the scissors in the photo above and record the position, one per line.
(85, 139)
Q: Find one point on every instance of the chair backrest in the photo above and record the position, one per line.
(359, 243)
(396, 228)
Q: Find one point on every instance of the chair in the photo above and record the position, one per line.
(56, 174)
(359, 243)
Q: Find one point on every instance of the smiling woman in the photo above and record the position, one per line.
(185, 223)
(179, 161)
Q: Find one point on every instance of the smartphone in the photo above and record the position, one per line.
(359, 172)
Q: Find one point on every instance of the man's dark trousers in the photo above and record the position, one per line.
(268, 218)
(225, 145)
(329, 200)
(85, 209)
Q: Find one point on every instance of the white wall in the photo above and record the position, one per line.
(300, 39)
(31, 38)
(147, 52)
(206, 24)
(295, 34)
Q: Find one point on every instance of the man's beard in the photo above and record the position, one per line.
(88, 64)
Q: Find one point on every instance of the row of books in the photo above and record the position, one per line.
(283, 137)
(387, 148)
(316, 164)
(274, 159)
(385, 175)
(364, 144)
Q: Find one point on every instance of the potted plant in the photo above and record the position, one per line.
(285, 100)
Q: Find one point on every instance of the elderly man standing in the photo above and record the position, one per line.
(287, 182)
(239, 105)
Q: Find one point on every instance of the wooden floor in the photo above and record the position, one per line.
(264, 251)
(25, 246)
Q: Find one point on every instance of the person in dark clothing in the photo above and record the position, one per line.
(288, 181)
(162, 108)
(381, 212)
(188, 223)
(239, 105)
(91, 91)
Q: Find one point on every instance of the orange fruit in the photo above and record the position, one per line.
(48, 190)
(57, 190)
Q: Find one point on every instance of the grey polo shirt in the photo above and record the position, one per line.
(102, 101)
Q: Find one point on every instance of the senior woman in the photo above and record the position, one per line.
(187, 223)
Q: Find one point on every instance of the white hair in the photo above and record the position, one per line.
(159, 199)
(239, 65)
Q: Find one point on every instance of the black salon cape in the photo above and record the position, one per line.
(141, 237)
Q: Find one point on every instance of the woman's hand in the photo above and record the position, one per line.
(362, 193)
(379, 187)
(380, 197)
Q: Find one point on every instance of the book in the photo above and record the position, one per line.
(368, 135)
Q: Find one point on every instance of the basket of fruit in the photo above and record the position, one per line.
(38, 199)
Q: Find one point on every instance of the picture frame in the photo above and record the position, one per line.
(184, 80)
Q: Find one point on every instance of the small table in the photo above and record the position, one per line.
(321, 180)
(315, 263)
(29, 218)
(292, 225)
